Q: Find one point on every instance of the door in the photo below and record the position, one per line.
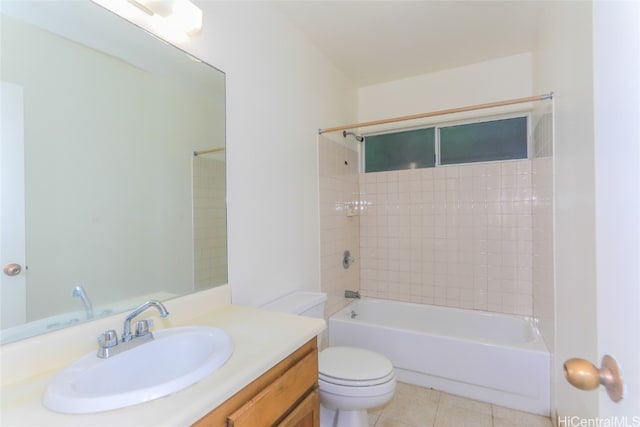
(616, 44)
(616, 95)
(12, 213)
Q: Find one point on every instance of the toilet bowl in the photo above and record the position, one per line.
(351, 380)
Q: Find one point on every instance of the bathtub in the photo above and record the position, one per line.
(491, 357)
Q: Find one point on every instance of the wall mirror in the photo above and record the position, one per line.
(104, 204)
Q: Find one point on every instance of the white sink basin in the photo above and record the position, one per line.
(175, 359)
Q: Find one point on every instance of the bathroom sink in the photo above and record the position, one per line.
(175, 359)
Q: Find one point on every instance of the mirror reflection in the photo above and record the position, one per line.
(113, 142)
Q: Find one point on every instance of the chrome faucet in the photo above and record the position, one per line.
(108, 340)
(79, 292)
(126, 333)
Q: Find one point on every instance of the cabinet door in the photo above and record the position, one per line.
(280, 397)
(306, 414)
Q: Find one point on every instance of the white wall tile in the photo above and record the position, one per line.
(465, 241)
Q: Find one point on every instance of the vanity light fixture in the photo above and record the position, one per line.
(178, 14)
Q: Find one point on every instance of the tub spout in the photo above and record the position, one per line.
(352, 294)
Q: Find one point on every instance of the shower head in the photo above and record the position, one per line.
(359, 138)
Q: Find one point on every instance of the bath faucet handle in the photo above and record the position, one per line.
(107, 341)
(347, 259)
(142, 327)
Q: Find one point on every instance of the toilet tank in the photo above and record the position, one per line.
(309, 304)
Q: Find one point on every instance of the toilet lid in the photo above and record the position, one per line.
(353, 366)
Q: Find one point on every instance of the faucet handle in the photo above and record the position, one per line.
(142, 327)
(108, 339)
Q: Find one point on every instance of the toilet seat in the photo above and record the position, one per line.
(356, 383)
(354, 367)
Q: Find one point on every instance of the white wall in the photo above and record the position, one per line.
(280, 90)
(564, 65)
(489, 81)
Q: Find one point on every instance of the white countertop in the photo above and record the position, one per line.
(261, 339)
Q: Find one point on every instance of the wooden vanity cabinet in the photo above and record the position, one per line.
(285, 396)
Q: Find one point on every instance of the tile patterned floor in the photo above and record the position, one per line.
(414, 406)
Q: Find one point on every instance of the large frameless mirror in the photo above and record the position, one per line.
(113, 167)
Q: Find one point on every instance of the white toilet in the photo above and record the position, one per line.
(351, 379)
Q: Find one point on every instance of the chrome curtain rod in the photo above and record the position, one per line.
(211, 150)
(440, 112)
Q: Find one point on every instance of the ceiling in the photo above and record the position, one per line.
(379, 41)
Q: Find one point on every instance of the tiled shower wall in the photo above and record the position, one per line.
(476, 236)
(458, 236)
(340, 231)
(209, 222)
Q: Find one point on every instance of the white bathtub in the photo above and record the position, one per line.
(495, 358)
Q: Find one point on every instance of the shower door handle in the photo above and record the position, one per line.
(585, 375)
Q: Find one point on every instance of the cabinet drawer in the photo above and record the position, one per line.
(278, 398)
(306, 414)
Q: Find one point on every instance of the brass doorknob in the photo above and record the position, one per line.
(585, 375)
(12, 269)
